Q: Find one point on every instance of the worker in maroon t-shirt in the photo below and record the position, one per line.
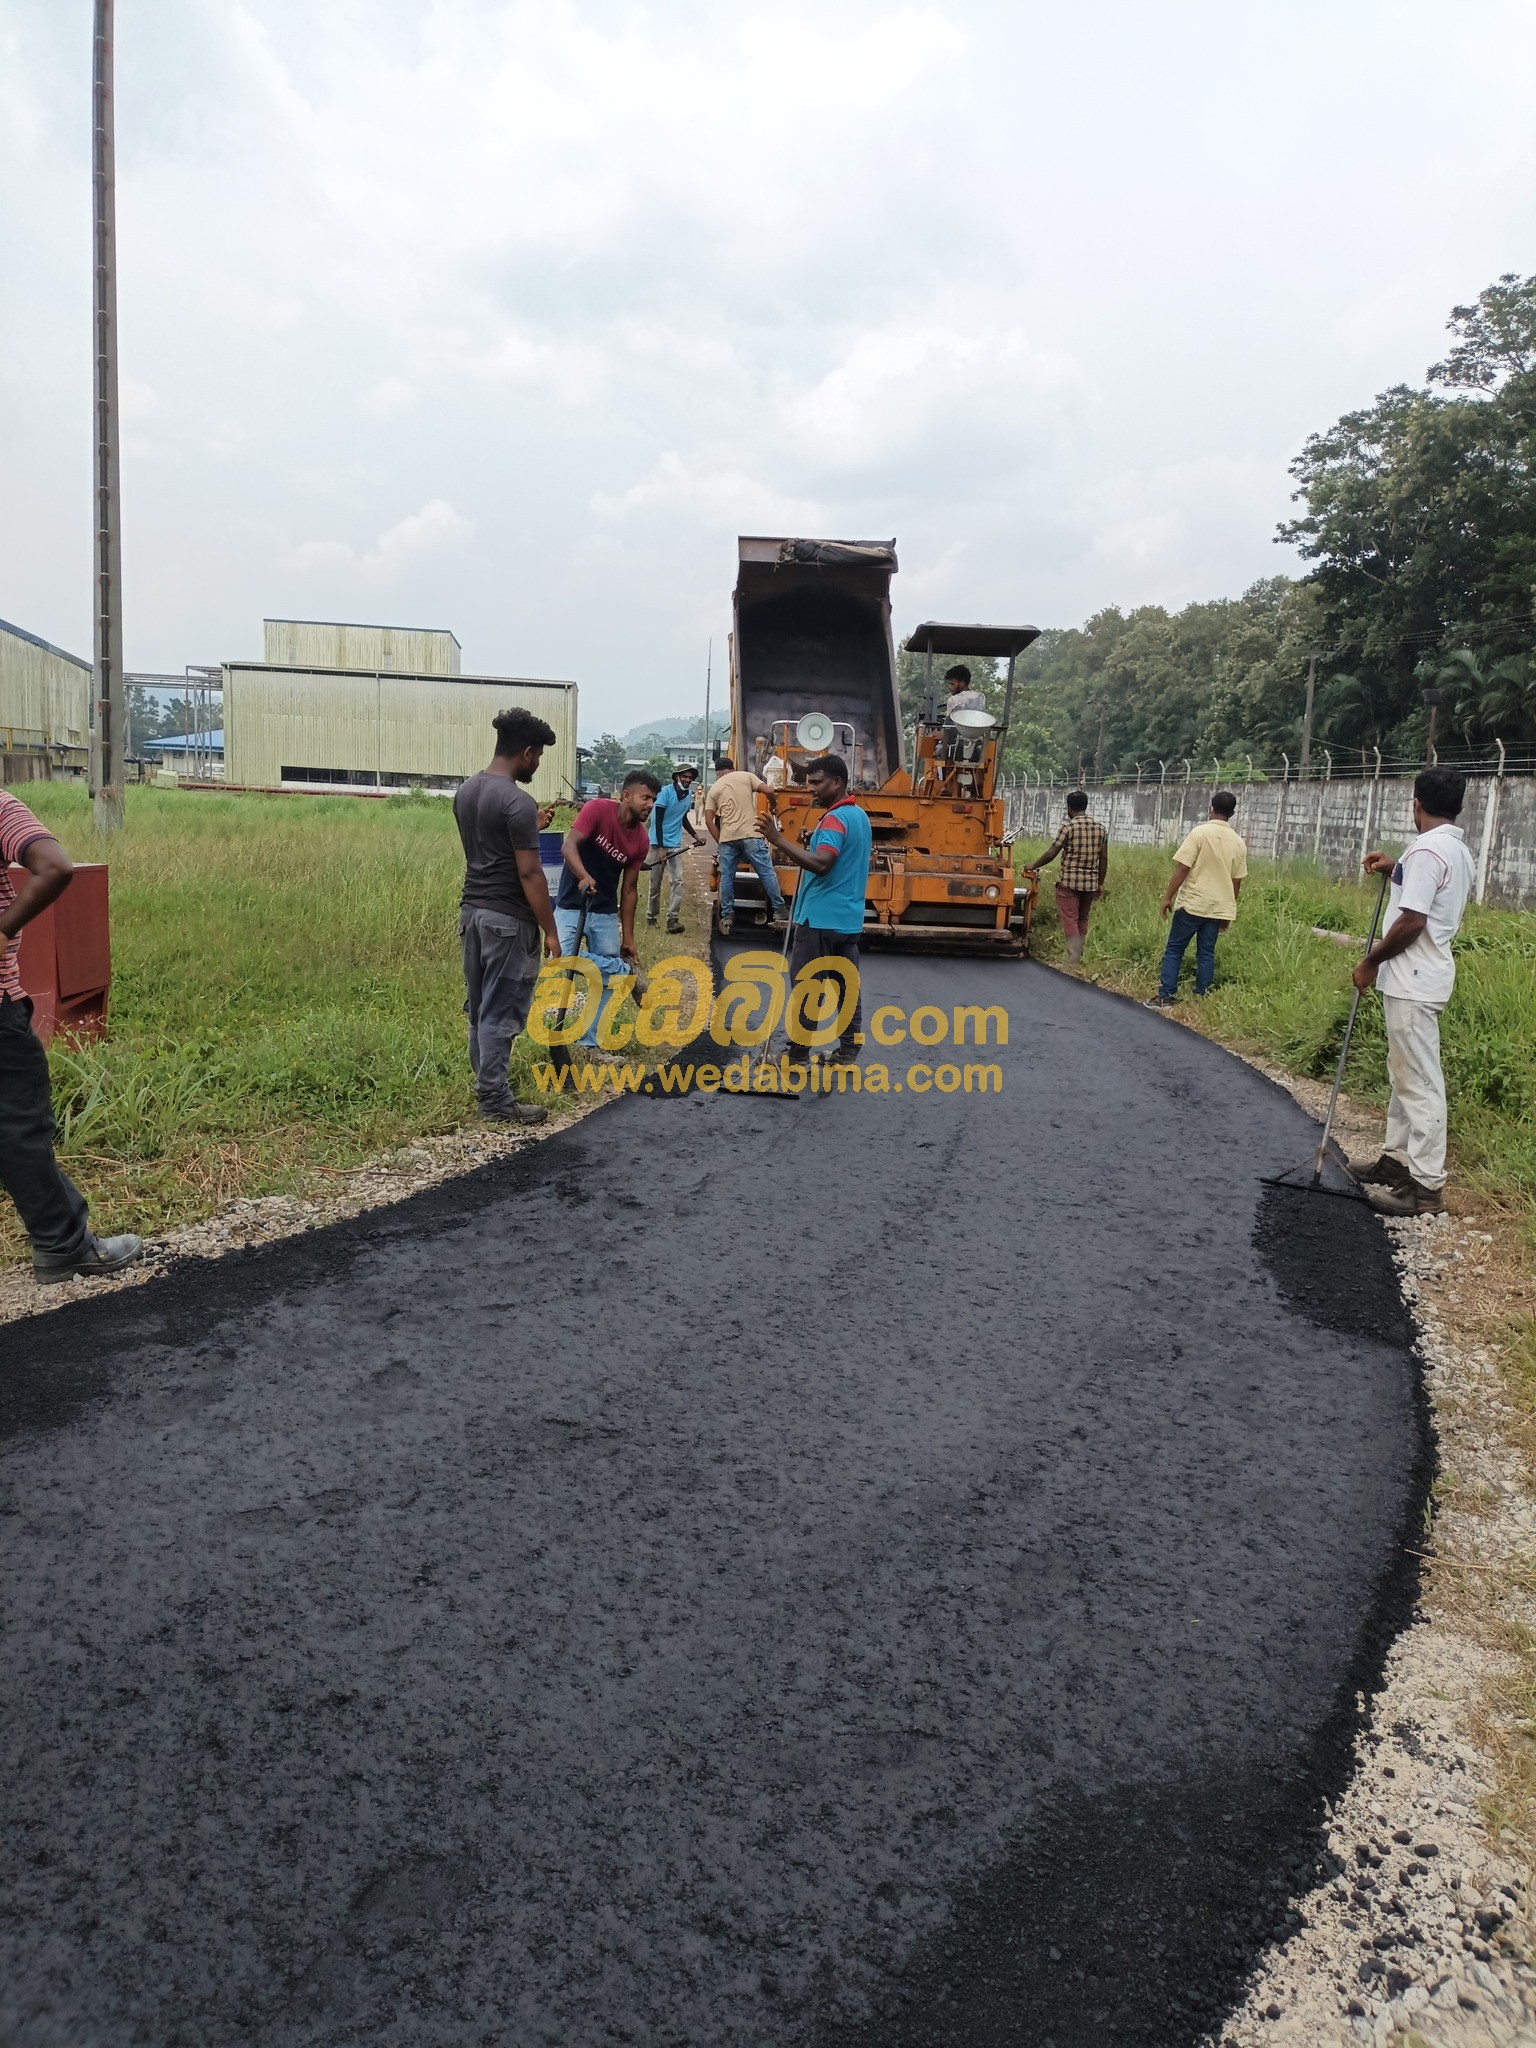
(604, 851)
(47, 1200)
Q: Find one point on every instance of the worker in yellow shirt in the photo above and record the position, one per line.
(1202, 894)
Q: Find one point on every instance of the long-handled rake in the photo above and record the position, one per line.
(562, 1052)
(1315, 1186)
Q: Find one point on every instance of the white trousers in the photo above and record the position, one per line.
(1416, 1108)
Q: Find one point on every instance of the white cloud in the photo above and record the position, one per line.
(436, 529)
(388, 396)
(1051, 294)
(726, 499)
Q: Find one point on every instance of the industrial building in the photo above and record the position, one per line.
(45, 709)
(349, 707)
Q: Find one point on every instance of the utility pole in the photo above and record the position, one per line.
(709, 752)
(1098, 757)
(109, 717)
(1306, 723)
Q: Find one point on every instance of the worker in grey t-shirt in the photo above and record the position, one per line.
(504, 907)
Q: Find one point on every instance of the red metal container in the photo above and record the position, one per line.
(66, 958)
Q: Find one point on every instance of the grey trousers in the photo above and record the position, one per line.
(49, 1204)
(501, 965)
(672, 863)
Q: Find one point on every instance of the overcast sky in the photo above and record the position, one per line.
(510, 317)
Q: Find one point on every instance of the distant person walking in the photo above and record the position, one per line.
(604, 851)
(1202, 893)
(52, 1209)
(829, 903)
(1413, 967)
(1083, 845)
(503, 908)
(730, 814)
(671, 817)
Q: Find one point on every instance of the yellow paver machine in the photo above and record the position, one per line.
(813, 671)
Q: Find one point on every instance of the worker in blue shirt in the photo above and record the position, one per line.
(671, 818)
(828, 909)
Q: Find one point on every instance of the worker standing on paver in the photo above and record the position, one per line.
(1083, 845)
(52, 1209)
(730, 814)
(671, 817)
(1202, 893)
(829, 903)
(604, 852)
(1412, 966)
(503, 908)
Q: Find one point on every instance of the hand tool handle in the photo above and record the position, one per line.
(1354, 1011)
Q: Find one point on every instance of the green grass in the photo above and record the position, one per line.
(1285, 995)
(286, 997)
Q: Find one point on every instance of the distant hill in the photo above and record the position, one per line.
(663, 728)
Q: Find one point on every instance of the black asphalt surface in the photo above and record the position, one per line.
(846, 1571)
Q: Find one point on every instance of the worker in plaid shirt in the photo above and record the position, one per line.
(1083, 845)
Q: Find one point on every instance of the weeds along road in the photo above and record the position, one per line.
(858, 1570)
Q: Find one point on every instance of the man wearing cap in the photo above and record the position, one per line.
(671, 817)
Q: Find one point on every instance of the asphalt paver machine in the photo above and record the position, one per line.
(813, 671)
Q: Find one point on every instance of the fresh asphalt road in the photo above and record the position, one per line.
(855, 1570)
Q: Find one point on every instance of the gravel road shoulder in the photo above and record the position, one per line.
(1421, 1931)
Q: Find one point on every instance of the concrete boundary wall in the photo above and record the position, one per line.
(1332, 823)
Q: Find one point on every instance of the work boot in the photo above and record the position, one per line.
(519, 1113)
(1411, 1199)
(1159, 1002)
(674, 925)
(97, 1257)
(1385, 1172)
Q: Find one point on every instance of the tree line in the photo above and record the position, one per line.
(1417, 518)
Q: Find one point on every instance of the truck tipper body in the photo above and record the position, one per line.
(813, 671)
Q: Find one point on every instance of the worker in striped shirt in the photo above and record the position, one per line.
(49, 1204)
(1083, 845)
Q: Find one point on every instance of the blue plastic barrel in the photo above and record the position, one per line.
(549, 857)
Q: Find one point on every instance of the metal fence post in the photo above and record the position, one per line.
(1490, 825)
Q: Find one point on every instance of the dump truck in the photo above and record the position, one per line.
(813, 671)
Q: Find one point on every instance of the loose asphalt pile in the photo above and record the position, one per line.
(844, 1571)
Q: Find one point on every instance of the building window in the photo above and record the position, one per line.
(367, 778)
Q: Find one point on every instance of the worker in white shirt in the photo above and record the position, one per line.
(961, 697)
(1412, 967)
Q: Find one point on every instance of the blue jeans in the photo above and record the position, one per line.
(732, 851)
(601, 940)
(1204, 931)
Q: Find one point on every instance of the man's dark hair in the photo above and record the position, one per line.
(829, 764)
(517, 730)
(723, 762)
(1441, 791)
(1223, 803)
(959, 670)
(1077, 800)
(641, 775)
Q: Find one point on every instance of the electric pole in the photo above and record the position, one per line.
(1098, 755)
(108, 721)
(1306, 723)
